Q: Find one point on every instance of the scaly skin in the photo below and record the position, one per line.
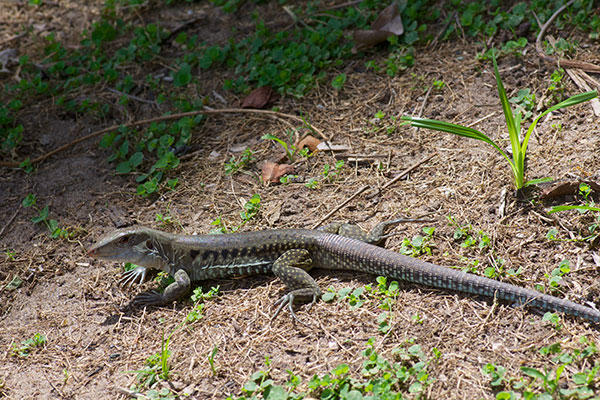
(289, 254)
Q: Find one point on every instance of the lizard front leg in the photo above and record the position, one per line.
(291, 268)
(172, 292)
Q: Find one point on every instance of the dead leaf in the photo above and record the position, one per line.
(271, 172)
(388, 23)
(258, 98)
(311, 142)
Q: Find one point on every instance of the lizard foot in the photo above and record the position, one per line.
(129, 277)
(288, 299)
(149, 299)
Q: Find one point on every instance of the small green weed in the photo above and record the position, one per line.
(331, 175)
(589, 205)
(438, 84)
(10, 254)
(251, 208)
(465, 234)
(557, 274)
(157, 365)
(524, 102)
(211, 360)
(419, 244)
(28, 345)
(234, 165)
(338, 81)
(556, 89)
(551, 383)
(355, 297)
(55, 231)
(14, 283)
(197, 296)
(290, 149)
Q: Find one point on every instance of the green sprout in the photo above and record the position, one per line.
(513, 124)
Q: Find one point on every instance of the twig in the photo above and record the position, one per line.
(14, 164)
(480, 120)
(362, 189)
(15, 37)
(131, 96)
(10, 220)
(409, 170)
(424, 102)
(338, 6)
(348, 200)
(440, 33)
(588, 67)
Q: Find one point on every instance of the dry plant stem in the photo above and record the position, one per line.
(408, 170)
(336, 209)
(362, 189)
(14, 164)
(472, 124)
(575, 75)
(588, 67)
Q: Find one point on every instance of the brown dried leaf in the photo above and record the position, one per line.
(311, 142)
(271, 172)
(258, 98)
(388, 23)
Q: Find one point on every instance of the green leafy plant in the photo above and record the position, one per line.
(55, 231)
(513, 124)
(338, 81)
(211, 360)
(198, 296)
(251, 208)
(290, 149)
(419, 244)
(234, 165)
(525, 103)
(558, 273)
(28, 345)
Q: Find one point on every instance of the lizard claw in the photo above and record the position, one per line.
(148, 299)
(129, 277)
(288, 299)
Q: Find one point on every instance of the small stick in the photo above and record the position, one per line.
(480, 120)
(408, 170)
(362, 189)
(131, 96)
(348, 200)
(15, 164)
(424, 101)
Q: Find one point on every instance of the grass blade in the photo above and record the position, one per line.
(508, 114)
(457, 130)
(565, 208)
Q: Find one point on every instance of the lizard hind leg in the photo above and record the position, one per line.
(376, 236)
(291, 268)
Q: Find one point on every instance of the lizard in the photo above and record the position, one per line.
(289, 254)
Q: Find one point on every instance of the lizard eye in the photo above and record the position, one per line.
(149, 244)
(124, 240)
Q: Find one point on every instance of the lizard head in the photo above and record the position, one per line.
(136, 245)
